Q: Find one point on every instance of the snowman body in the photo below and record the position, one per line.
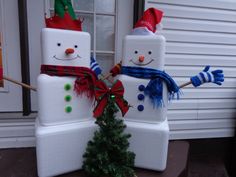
(58, 102)
(64, 124)
(146, 123)
(151, 49)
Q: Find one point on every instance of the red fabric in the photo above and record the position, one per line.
(85, 77)
(102, 93)
(116, 69)
(64, 23)
(150, 19)
(1, 73)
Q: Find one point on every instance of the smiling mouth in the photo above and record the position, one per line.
(77, 56)
(141, 64)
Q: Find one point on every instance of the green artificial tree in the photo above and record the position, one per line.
(107, 154)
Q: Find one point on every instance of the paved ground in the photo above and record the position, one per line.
(22, 163)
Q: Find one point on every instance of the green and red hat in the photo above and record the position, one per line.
(64, 17)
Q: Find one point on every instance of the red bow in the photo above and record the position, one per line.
(102, 93)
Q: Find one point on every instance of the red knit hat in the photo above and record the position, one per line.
(149, 20)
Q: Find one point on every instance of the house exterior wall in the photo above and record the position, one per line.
(200, 33)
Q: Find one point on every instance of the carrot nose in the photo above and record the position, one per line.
(69, 51)
(141, 58)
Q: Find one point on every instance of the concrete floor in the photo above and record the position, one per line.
(21, 162)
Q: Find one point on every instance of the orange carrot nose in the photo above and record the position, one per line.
(69, 51)
(141, 58)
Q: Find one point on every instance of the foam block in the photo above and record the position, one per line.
(58, 102)
(150, 144)
(149, 114)
(55, 42)
(60, 148)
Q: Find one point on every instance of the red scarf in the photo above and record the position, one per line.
(85, 77)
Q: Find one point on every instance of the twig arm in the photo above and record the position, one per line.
(185, 84)
(19, 83)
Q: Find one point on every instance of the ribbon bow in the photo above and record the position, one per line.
(103, 93)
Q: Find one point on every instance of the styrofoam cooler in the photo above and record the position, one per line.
(150, 144)
(60, 148)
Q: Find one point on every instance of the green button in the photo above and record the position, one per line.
(68, 109)
(68, 98)
(67, 87)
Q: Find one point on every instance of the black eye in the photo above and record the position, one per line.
(58, 44)
(135, 51)
(150, 52)
(76, 46)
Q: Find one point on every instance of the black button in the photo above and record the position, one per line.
(141, 97)
(140, 107)
(141, 87)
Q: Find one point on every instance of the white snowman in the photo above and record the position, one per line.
(143, 61)
(58, 101)
(65, 123)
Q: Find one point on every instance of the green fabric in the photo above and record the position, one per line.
(59, 8)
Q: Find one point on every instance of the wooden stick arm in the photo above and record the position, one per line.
(185, 84)
(19, 83)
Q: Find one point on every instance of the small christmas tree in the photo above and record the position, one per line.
(107, 154)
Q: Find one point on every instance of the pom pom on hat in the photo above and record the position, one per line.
(146, 25)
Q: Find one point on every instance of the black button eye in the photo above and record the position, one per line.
(58, 44)
(150, 52)
(135, 51)
(76, 46)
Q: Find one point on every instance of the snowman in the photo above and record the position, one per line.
(65, 95)
(66, 56)
(147, 90)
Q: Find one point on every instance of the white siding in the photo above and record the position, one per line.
(17, 132)
(200, 33)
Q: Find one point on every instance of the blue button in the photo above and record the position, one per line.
(140, 107)
(141, 87)
(141, 97)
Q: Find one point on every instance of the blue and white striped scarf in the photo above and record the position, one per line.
(154, 88)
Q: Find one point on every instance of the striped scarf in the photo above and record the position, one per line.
(85, 77)
(154, 88)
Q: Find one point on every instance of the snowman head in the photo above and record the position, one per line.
(144, 48)
(65, 47)
(144, 51)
